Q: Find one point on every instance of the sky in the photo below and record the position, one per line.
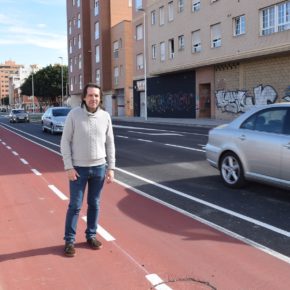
(33, 31)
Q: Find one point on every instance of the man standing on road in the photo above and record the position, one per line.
(88, 151)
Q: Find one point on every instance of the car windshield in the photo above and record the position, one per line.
(18, 111)
(60, 112)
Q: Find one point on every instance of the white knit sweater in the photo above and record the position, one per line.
(87, 139)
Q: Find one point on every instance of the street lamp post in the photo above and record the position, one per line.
(61, 79)
(32, 89)
(145, 62)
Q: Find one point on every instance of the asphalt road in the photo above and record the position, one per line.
(168, 163)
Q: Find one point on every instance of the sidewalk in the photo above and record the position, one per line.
(174, 121)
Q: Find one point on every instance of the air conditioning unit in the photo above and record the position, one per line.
(196, 47)
(217, 42)
(196, 6)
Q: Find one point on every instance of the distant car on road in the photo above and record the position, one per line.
(18, 115)
(255, 146)
(53, 119)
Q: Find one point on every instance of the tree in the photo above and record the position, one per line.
(47, 84)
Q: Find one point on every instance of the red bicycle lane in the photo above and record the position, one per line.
(149, 238)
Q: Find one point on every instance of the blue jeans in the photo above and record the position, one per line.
(93, 176)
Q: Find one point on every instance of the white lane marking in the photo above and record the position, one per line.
(8, 147)
(183, 147)
(36, 172)
(58, 192)
(156, 134)
(107, 236)
(23, 161)
(214, 206)
(4, 143)
(125, 137)
(210, 224)
(156, 280)
(23, 132)
(102, 232)
(159, 130)
(15, 153)
(144, 140)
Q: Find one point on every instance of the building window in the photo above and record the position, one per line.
(161, 15)
(153, 17)
(275, 18)
(69, 27)
(139, 32)
(73, 2)
(79, 41)
(116, 75)
(284, 16)
(162, 51)
(196, 42)
(138, 4)
(239, 25)
(81, 82)
(98, 77)
(130, 3)
(71, 84)
(70, 64)
(153, 51)
(97, 7)
(97, 30)
(97, 54)
(70, 46)
(216, 40)
(140, 61)
(80, 61)
(180, 5)
(195, 5)
(116, 49)
(171, 48)
(181, 43)
(170, 11)
(78, 3)
(79, 20)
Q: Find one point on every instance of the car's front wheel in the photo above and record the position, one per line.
(231, 170)
(52, 131)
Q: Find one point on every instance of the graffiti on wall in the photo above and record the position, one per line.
(287, 95)
(239, 101)
(176, 104)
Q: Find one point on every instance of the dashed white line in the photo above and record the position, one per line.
(15, 153)
(36, 172)
(58, 192)
(183, 147)
(23, 161)
(125, 137)
(156, 280)
(4, 143)
(144, 140)
(102, 232)
(8, 147)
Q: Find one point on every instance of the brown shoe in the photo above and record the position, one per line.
(94, 243)
(69, 249)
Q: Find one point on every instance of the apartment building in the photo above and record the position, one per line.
(90, 28)
(215, 58)
(7, 69)
(185, 58)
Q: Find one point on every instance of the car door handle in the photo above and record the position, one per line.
(287, 146)
(242, 137)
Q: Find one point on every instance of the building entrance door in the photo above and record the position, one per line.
(204, 101)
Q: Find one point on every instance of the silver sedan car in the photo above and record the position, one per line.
(255, 146)
(53, 119)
